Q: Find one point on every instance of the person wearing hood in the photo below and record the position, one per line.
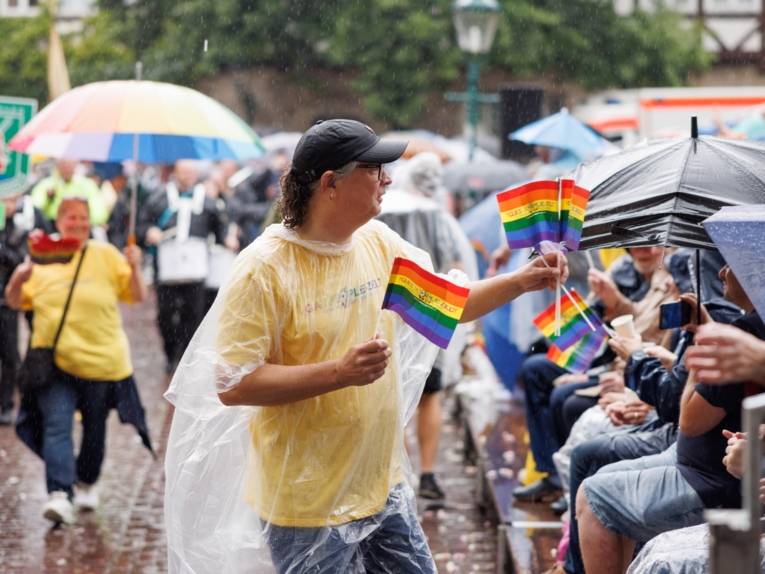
(415, 210)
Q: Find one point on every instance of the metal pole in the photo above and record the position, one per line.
(735, 534)
(474, 71)
(131, 238)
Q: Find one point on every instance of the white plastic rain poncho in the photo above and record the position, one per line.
(415, 209)
(682, 551)
(239, 478)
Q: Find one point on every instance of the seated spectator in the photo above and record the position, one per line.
(687, 549)
(724, 354)
(633, 279)
(633, 501)
(659, 377)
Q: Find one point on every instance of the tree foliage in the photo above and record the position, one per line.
(23, 58)
(399, 52)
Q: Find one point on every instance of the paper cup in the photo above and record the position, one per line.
(625, 327)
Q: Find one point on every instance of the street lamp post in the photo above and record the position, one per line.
(476, 24)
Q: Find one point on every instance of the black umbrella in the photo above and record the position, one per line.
(660, 192)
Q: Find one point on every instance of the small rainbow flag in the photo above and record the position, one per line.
(44, 249)
(429, 304)
(573, 208)
(572, 325)
(579, 356)
(530, 213)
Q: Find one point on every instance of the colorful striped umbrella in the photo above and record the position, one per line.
(152, 122)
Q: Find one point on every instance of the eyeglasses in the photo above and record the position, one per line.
(378, 166)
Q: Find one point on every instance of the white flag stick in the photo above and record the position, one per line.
(579, 309)
(558, 285)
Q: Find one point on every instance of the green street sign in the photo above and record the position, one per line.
(14, 166)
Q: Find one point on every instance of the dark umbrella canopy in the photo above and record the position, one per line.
(659, 193)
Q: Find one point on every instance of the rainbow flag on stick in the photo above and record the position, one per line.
(579, 356)
(573, 325)
(546, 210)
(573, 208)
(429, 304)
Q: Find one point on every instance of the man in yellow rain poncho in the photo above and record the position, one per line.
(304, 470)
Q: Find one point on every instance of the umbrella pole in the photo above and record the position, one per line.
(698, 286)
(131, 239)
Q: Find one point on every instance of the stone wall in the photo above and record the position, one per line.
(272, 100)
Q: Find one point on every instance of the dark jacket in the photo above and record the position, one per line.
(156, 212)
(663, 389)
(124, 399)
(250, 204)
(13, 241)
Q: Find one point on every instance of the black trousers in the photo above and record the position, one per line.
(9, 355)
(180, 309)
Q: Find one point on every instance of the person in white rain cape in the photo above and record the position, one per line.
(286, 452)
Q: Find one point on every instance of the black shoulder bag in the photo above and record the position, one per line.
(36, 371)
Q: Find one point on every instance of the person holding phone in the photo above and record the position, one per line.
(630, 502)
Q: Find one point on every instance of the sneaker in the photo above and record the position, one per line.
(86, 496)
(429, 487)
(59, 509)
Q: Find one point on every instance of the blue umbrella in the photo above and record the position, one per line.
(753, 127)
(563, 131)
(739, 233)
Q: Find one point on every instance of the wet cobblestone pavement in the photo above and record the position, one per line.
(125, 535)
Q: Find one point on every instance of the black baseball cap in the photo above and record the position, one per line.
(330, 144)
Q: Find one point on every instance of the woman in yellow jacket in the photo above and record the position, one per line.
(93, 370)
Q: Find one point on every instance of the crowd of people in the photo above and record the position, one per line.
(185, 212)
(648, 438)
(631, 451)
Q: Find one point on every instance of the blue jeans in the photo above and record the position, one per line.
(544, 408)
(644, 497)
(390, 541)
(57, 403)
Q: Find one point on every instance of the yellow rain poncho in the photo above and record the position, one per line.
(237, 475)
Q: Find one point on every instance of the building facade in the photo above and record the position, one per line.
(733, 29)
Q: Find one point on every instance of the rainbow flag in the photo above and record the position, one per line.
(573, 208)
(572, 325)
(429, 304)
(530, 213)
(579, 356)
